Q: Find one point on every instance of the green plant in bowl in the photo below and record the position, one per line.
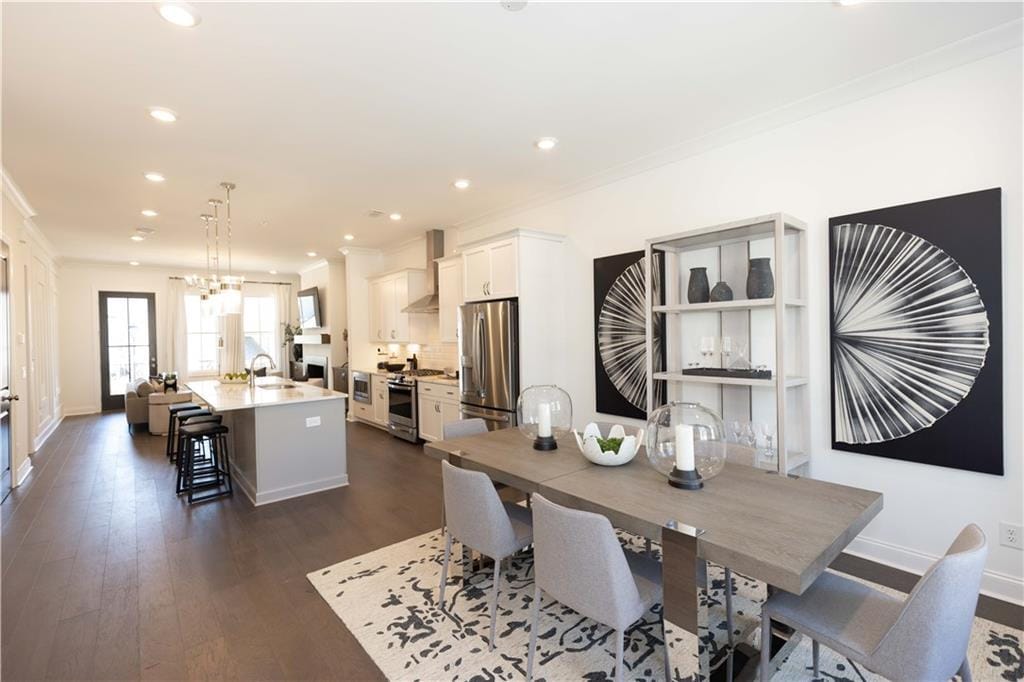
(609, 444)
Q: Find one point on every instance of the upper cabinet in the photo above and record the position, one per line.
(389, 294)
(449, 297)
(491, 270)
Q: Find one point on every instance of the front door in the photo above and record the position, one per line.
(127, 343)
(5, 378)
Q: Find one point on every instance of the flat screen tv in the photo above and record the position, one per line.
(309, 309)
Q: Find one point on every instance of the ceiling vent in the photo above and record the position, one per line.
(375, 213)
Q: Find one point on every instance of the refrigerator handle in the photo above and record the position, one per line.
(481, 368)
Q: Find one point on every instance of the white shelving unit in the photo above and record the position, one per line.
(774, 330)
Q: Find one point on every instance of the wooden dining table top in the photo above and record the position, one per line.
(781, 530)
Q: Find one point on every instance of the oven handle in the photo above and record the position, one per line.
(400, 387)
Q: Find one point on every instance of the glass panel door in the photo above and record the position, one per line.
(5, 379)
(127, 343)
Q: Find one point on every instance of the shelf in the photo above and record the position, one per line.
(728, 233)
(727, 381)
(796, 459)
(725, 306)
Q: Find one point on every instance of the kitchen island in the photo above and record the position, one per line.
(287, 438)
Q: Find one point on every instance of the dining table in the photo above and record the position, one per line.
(782, 530)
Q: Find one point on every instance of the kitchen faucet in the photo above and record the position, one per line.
(252, 367)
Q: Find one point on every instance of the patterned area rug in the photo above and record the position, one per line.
(388, 599)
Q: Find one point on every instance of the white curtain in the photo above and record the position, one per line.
(283, 294)
(177, 329)
(232, 355)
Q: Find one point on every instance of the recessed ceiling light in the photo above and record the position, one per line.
(546, 144)
(138, 237)
(847, 3)
(344, 252)
(179, 13)
(349, 237)
(154, 177)
(150, 213)
(461, 183)
(311, 254)
(272, 272)
(133, 262)
(395, 216)
(163, 115)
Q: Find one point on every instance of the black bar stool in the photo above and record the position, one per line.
(172, 411)
(203, 461)
(179, 418)
(200, 458)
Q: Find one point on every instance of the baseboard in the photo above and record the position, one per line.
(40, 440)
(997, 585)
(82, 410)
(270, 496)
(23, 471)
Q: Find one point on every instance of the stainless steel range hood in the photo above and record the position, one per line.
(435, 249)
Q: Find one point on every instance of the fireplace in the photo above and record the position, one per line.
(316, 368)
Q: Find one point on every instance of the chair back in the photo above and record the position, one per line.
(474, 513)
(579, 562)
(929, 639)
(465, 427)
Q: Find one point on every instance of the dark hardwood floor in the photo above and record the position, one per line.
(108, 575)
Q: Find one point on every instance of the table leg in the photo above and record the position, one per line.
(685, 577)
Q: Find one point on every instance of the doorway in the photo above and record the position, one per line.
(127, 343)
(6, 443)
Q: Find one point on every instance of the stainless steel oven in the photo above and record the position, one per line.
(402, 417)
(360, 387)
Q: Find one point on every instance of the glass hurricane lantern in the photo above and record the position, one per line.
(545, 415)
(709, 443)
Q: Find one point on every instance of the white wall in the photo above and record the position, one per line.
(954, 132)
(80, 284)
(33, 283)
(329, 279)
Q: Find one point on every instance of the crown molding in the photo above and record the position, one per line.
(993, 41)
(315, 265)
(17, 197)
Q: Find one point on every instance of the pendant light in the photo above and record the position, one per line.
(230, 284)
(207, 294)
(217, 302)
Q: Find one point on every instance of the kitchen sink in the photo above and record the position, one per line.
(275, 387)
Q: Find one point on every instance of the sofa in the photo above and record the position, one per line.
(146, 403)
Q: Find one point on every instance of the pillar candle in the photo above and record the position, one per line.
(544, 420)
(684, 447)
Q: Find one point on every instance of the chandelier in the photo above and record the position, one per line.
(219, 294)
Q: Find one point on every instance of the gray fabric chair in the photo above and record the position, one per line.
(579, 562)
(465, 427)
(922, 637)
(480, 520)
(136, 401)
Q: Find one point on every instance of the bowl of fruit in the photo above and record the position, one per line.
(234, 378)
(608, 444)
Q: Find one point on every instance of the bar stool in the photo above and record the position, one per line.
(177, 418)
(172, 411)
(203, 461)
(200, 458)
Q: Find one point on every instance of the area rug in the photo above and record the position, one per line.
(388, 600)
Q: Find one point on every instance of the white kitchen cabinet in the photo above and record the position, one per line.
(438, 404)
(449, 297)
(379, 387)
(389, 294)
(491, 270)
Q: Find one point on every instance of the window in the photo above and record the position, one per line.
(203, 335)
(259, 325)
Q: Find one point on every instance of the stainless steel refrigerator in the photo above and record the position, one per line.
(489, 359)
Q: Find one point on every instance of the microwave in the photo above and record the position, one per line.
(361, 387)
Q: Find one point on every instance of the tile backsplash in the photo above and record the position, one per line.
(431, 355)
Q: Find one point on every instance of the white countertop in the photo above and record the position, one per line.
(439, 379)
(227, 397)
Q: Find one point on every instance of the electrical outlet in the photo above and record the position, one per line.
(315, 421)
(1010, 535)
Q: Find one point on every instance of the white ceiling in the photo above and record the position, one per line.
(320, 112)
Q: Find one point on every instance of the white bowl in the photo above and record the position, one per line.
(592, 451)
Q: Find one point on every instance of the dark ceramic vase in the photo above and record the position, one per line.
(721, 292)
(760, 283)
(698, 290)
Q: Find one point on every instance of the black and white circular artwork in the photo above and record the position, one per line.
(621, 332)
(909, 333)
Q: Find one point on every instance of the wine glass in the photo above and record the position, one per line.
(735, 430)
(707, 349)
(747, 435)
(726, 351)
(766, 430)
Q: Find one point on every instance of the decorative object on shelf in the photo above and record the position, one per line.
(721, 292)
(916, 320)
(766, 433)
(686, 442)
(620, 327)
(545, 415)
(729, 373)
(291, 330)
(760, 282)
(697, 290)
(613, 449)
(726, 350)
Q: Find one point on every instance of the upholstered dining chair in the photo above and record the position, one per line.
(480, 520)
(464, 427)
(579, 562)
(922, 637)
